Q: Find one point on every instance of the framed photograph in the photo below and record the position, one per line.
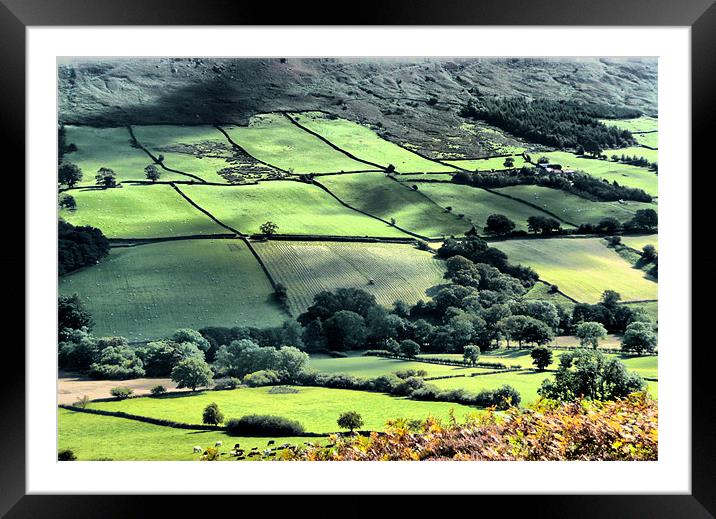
(419, 255)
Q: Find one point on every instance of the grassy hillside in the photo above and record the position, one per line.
(366, 144)
(107, 148)
(624, 174)
(296, 207)
(496, 163)
(148, 291)
(378, 195)
(574, 208)
(582, 268)
(478, 204)
(139, 211)
(640, 124)
(273, 138)
(306, 268)
(638, 242)
(648, 139)
(634, 151)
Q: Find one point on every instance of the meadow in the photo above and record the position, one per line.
(639, 124)
(198, 150)
(488, 164)
(388, 271)
(139, 211)
(640, 241)
(573, 208)
(149, 291)
(583, 268)
(380, 196)
(296, 207)
(94, 437)
(274, 139)
(317, 408)
(364, 143)
(623, 174)
(634, 151)
(477, 204)
(648, 139)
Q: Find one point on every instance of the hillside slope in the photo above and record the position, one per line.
(391, 95)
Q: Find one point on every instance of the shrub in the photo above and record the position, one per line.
(263, 425)
(227, 383)
(406, 373)
(283, 390)
(264, 377)
(212, 415)
(66, 455)
(121, 393)
(82, 402)
(158, 390)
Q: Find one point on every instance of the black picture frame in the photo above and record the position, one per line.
(700, 15)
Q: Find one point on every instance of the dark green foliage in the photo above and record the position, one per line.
(639, 338)
(158, 390)
(192, 372)
(350, 420)
(589, 374)
(160, 357)
(263, 425)
(227, 383)
(121, 393)
(68, 174)
(541, 357)
(579, 184)
(563, 124)
(644, 219)
(67, 202)
(498, 224)
(66, 455)
(264, 377)
(244, 356)
(106, 178)
(79, 247)
(345, 330)
(543, 225)
(212, 415)
(409, 348)
(118, 362)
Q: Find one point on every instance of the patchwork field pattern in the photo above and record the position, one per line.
(581, 268)
(573, 208)
(365, 144)
(139, 211)
(380, 196)
(108, 148)
(623, 174)
(306, 268)
(149, 291)
(478, 204)
(274, 139)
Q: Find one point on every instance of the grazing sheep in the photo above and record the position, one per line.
(271, 442)
(254, 448)
(197, 449)
(237, 446)
(267, 452)
(283, 446)
(218, 444)
(241, 458)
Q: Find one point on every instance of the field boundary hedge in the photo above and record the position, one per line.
(243, 150)
(145, 419)
(446, 362)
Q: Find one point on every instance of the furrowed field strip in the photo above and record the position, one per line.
(148, 292)
(581, 268)
(388, 271)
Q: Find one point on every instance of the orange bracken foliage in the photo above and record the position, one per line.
(624, 430)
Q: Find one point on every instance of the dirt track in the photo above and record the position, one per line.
(71, 387)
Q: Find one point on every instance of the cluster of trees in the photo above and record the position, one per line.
(614, 317)
(79, 247)
(577, 183)
(562, 124)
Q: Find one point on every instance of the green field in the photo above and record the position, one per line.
(274, 139)
(541, 292)
(296, 207)
(634, 151)
(139, 211)
(477, 204)
(496, 163)
(639, 124)
(573, 208)
(371, 367)
(398, 271)
(199, 150)
(624, 174)
(109, 148)
(525, 382)
(581, 268)
(410, 177)
(380, 196)
(365, 144)
(148, 291)
(638, 242)
(648, 139)
(317, 408)
(94, 437)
